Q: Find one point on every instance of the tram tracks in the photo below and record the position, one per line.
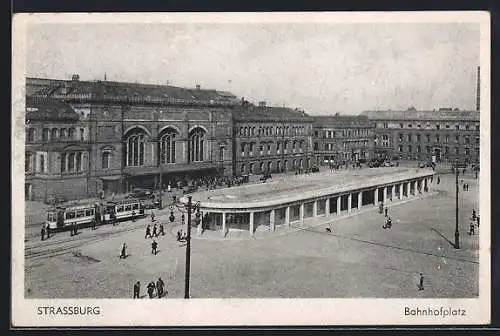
(60, 247)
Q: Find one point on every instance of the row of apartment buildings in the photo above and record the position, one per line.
(86, 136)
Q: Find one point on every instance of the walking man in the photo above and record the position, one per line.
(421, 282)
(151, 289)
(137, 289)
(48, 231)
(152, 216)
(133, 216)
(473, 214)
(159, 287)
(123, 254)
(42, 232)
(438, 180)
(148, 232)
(386, 212)
(155, 233)
(162, 229)
(179, 234)
(154, 246)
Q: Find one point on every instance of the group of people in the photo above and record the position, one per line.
(473, 223)
(385, 211)
(181, 236)
(159, 287)
(45, 230)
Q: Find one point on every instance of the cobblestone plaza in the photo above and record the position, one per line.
(357, 259)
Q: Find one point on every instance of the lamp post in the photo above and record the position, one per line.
(457, 234)
(188, 208)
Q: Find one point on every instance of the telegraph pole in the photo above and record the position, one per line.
(457, 234)
(188, 250)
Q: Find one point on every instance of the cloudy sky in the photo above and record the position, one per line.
(322, 68)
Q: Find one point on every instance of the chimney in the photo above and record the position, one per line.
(198, 86)
(262, 103)
(478, 90)
(75, 77)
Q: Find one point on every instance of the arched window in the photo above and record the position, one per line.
(45, 134)
(71, 133)
(167, 147)
(30, 135)
(28, 166)
(53, 134)
(42, 163)
(252, 168)
(62, 133)
(135, 147)
(63, 162)
(71, 162)
(196, 142)
(78, 164)
(262, 167)
(269, 166)
(106, 160)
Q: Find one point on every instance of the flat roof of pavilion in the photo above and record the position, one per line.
(295, 188)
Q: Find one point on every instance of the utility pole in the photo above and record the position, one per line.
(188, 250)
(457, 234)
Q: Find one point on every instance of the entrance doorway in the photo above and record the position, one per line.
(28, 192)
(437, 154)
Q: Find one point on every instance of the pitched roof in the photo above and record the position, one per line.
(269, 113)
(109, 89)
(49, 109)
(422, 115)
(341, 121)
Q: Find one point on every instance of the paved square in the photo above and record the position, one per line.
(358, 259)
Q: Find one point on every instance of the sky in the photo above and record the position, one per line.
(323, 68)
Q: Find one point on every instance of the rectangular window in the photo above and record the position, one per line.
(70, 215)
(446, 139)
(401, 126)
(386, 125)
(400, 137)
(80, 213)
(437, 138)
(467, 140)
(457, 150)
(467, 151)
(410, 125)
(135, 206)
(477, 127)
(409, 149)
(418, 149)
(447, 150)
(438, 126)
(128, 207)
(418, 137)
(400, 148)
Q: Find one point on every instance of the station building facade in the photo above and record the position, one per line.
(85, 137)
(443, 135)
(341, 138)
(271, 139)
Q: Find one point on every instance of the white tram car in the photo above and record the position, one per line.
(80, 215)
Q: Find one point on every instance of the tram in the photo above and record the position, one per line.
(80, 215)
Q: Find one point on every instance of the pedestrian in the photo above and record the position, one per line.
(152, 216)
(42, 232)
(48, 231)
(162, 229)
(421, 282)
(438, 180)
(93, 224)
(477, 219)
(151, 289)
(381, 207)
(133, 216)
(183, 217)
(137, 289)
(386, 211)
(155, 233)
(179, 235)
(473, 214)
(471, 229)
(169, 188)
(476, 174)
(148, 232)
(160, 287)
(123, 254)
(154, 246)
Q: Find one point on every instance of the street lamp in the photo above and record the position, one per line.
(457, 234)
(187, 208)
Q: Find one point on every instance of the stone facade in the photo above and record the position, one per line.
(444, 135)
(342, 138)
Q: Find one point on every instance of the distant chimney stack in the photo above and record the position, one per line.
(478, 90)
(75, 77)
(262, 103)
